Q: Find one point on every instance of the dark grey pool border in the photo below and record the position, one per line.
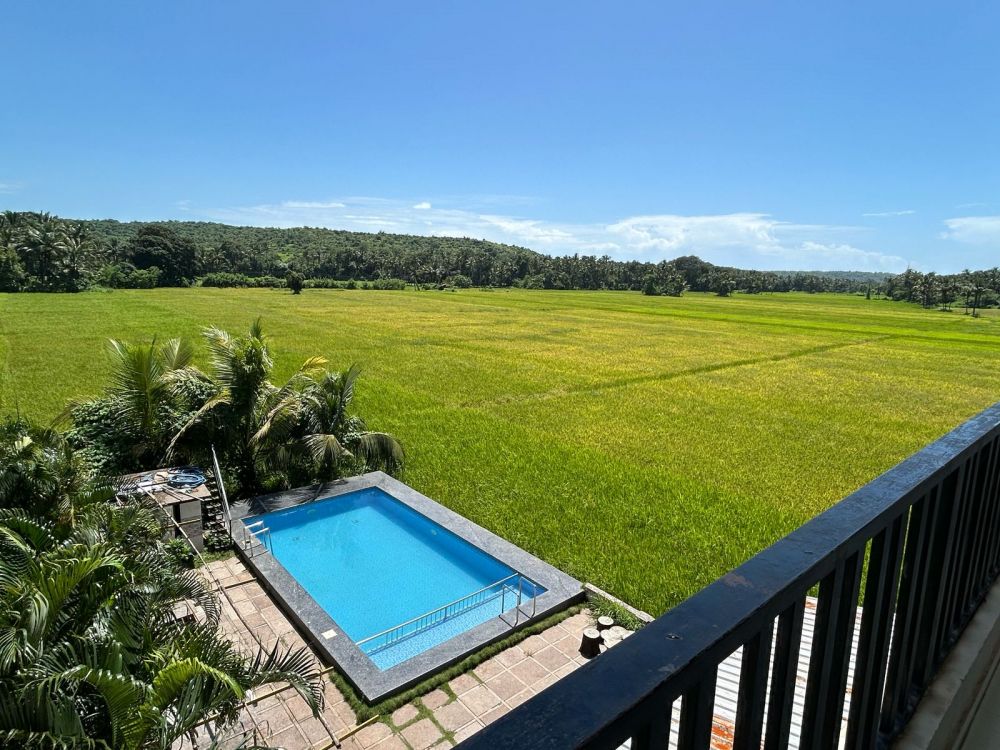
(339, 650)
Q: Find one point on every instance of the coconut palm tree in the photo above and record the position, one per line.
(76, 247)
(39, 249)
(153, 387)
(314, 415)
(90, 653)
(273, 435)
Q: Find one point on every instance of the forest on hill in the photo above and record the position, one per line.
(42, 252)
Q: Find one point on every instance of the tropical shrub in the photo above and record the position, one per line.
(91, 654)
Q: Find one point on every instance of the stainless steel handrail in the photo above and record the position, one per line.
(427, 620)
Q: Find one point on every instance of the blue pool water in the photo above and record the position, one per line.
(374, 563)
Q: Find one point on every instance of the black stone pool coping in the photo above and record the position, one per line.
(339, 650)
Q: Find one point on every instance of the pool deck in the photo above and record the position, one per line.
(330, 641)
(439, 719)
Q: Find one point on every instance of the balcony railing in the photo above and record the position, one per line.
(921, 543)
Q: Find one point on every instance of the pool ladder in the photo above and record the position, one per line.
(257, 531)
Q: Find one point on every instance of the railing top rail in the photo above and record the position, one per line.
(667, 657)
(439, 609)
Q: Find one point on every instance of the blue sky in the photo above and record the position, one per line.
(760, 134)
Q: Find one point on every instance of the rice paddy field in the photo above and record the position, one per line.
(644, 444)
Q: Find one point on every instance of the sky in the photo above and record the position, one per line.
(771, 135)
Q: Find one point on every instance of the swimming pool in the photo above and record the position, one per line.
(388, 585)
(395, 581)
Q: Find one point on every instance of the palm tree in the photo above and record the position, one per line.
(38, 469)
(314, 415)
(76, 247)
(90, 653)
(153, 386)
(270, 434)
(39, 248)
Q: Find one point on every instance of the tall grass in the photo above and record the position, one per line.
(645, 444)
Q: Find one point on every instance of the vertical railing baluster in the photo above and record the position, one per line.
(961, 606)
(836, 612)
(697, 714)
(656, 734)
(949, 606)
(753, 691)
(991, 555)
(873, 641)
(943, 566)
(984, 526)
(911, 590)
(783, 675)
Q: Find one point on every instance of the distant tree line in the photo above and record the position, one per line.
(41, 252)
(972, 290)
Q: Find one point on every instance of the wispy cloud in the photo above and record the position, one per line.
(973, 230)
(889, 214)
(755, 240)
(313, 204)
(6, 188)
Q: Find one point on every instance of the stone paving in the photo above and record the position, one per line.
(441, 718)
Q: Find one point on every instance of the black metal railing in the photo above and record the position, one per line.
(921, 542)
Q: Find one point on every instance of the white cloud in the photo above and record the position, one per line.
(973, 230)
(889, 214)
(753, 240)
(6, 188)
(312, 204)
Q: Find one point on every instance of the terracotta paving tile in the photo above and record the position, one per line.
(551, 658)
(544, 683)
(463, 683)
(529, 672)
(510, 656)
(345, 714)
(533, 644)
(520, 698)
(422, 734)
(290, 739)
(276, 718)
(566, 669)
(404, 714)
(453, 716)
(495, 714)
(351, 743)
(373, 734)
(315, 731)
(570, 645)
(489, 668)
(468, 730)
(505, 685)
(298, 708)
(392, 743)
(480, 699)
(435, 699)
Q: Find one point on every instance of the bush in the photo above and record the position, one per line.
(459, 281)
(225, 280)
(127, 276)
(294, 281)
(388, 284)
(179, 553)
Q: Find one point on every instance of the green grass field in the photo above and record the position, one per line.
(644, 444)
